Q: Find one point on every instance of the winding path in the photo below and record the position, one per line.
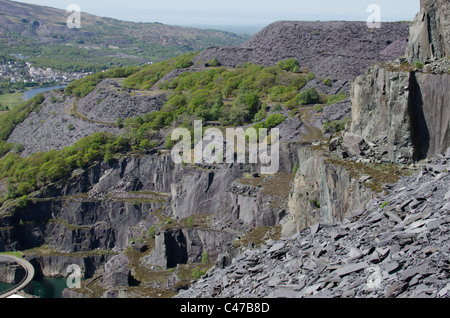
(314, 133)
(29, 274)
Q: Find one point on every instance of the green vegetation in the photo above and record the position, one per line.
(336, 98)
(274, 120)
(86, 85)
(205, 258)
(334, 126)
(16, 254)
(232, 96)
(315, 203)
(147, 76)
(318, 108)
(309, 96)
(25, 175)
(10, 100)
(9, 120)
(419, 65)
(291, 65)
(384, 204)
(197, 272)
(213, 63)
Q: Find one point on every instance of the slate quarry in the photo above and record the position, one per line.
(398, 246)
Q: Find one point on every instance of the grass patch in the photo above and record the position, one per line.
(16, 254)
(11, 100)
(259, 235)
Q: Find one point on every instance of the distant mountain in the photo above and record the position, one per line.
(25, 28)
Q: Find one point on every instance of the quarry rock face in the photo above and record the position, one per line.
(322, 192)
(340, 237)
(396, 247)
(401, 109)
(429, 37)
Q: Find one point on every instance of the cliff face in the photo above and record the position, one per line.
(402, 110)
(322, 192)
(429, 36)
(192, 209)
(403, 115)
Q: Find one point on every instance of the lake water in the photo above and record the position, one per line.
(44, 287)
(33, 92)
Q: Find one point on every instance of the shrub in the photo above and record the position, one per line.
(419, 65)
(197, 273)
(152, 231)
(213, 63)
(334, 126)
(274, 120)
(22, 202)
(310, 76)
(205, 258)
(276, 108)
(289, 65)
(309, 96)
(315, 203)
(119, 122)
(19, 148)
(260, 115)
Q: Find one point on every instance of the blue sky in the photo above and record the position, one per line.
(238, 12)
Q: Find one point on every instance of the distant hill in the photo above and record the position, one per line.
(39, 32)
(336, 49)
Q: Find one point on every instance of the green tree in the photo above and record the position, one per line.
(213, 63)
(274, 120)
(289, 65)
(309, 96)
(119, 122)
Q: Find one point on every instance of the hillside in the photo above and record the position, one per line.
(339, 50)
(41, 33)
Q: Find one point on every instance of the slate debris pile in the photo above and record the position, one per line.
(398, 247)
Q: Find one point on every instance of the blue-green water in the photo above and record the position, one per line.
(44, 287)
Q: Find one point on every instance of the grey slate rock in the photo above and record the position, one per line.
(393, 252)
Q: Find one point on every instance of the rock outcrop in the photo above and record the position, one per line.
(401, 110)
(322, 192)
(429, 37)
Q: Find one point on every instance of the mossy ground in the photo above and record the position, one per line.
(380, 174)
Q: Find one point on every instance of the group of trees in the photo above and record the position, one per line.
(233, 97)
(24, 175)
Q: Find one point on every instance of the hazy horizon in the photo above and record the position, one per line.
(251, 13)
